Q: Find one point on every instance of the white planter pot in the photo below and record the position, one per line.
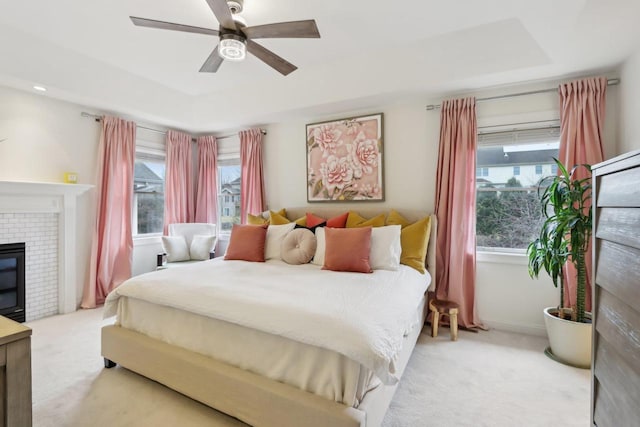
(570, 341)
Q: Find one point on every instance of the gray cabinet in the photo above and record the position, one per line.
(615, 388)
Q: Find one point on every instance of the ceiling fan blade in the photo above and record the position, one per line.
(212, 63)
(152, 23)
(221, 10)
(294, 29)
(271, 59)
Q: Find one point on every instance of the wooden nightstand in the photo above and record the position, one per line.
(15, 375)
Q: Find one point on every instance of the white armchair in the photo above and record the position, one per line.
(187, 243)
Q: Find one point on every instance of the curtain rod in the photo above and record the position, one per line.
(610, 82)
(539, 124)
(98, 118)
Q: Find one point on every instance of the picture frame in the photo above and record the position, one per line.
(345, 160)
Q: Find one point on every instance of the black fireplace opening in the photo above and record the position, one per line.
(12, 281)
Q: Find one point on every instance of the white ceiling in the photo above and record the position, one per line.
(370, 52)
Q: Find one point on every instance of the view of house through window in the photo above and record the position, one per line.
(148, 194)
(148, 187)
(509, 167)
(229, 194)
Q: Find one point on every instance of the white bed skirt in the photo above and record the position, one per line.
(317, 370)
(323, 372)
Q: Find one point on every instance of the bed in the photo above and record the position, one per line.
(260, 366)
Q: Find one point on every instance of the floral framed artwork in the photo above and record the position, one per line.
(344, 160)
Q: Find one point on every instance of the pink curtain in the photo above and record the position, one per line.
(178, 187)
(207, 190)
(112, 244)
(252, 197)
(455, 208)
(582, 105)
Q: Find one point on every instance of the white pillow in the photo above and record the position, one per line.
(385, 248)
(275, 235)
(201, 247)
(318, 258)
(176, 248)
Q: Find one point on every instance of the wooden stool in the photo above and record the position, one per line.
(444, 308)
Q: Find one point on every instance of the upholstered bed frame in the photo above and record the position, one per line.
(254, 399)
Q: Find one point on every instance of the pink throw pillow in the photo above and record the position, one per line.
(347, 249)
(247, 243)
(339, 221)
(313, 220)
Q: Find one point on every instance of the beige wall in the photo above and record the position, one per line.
(629, 118)
(43, 139)
(410, 156)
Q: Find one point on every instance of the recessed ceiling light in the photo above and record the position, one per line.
(40, 88)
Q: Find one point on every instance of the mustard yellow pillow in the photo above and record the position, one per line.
(394, 218)
(355, 220)
(256, 220)
(414, 239)
(260, 220)
(275, 218)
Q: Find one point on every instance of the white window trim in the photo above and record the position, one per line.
(501, 256)
(151, 239)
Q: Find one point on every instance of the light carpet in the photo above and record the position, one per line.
(486, 379)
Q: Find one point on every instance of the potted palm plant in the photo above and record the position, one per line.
(564, 238)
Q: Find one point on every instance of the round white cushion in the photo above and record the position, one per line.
(298, 246)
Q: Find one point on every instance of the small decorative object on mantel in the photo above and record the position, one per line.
(71, 177)
(344, 160)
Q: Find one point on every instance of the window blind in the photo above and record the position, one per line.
(517, 137)
(228, 149)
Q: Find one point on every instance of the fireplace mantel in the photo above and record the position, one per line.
(31, 197)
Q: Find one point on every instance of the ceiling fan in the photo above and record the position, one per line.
(236, 38)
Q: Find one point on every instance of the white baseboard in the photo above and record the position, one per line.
(520, 328)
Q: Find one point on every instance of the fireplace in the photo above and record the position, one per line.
(12, 281)
(54, 222)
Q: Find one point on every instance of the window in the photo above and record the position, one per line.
(228, 183)
(508, 215)
(148, 194)
(482, 172)
(148, 184)
(554, 169)
(229, 179)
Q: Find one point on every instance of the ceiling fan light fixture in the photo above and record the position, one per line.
(232, 47)
(239, 19)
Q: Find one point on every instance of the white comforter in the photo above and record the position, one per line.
(363, 316)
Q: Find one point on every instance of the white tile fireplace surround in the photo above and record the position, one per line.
(43, 215)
